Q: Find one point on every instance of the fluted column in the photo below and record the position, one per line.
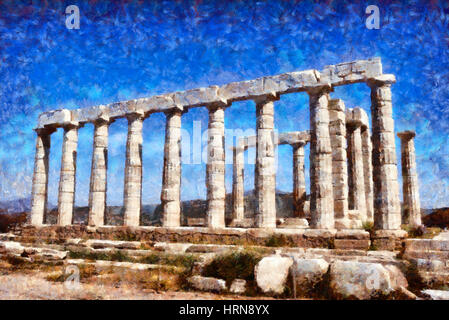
(265, 171)
(387, 211)
(299, 180)
(367, 150)
(67, 181)
(215, 168)
(337, 130)
(356, 179)
(171, 180)
(321, 197)
(40, 176)
(410, 185)
(98, 177)
(133, 171)
(238, 192)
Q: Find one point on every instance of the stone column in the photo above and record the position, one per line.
(410, 186)
(321, 195)
(133, 171)
(40, 176)
(215, 168)
(356, 179)
(337, 130)
(367, 150)
(238, 192)
(265, 171)
(171, 180)
(98, 177)
(299, 180)
(67, 181)
(387, 211)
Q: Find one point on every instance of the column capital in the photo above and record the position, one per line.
(223, 104)
(103, 120)
(299, 144)
(44, 131)
(322, 88)
(176, 109)
(406, 135)
(273, 96)
(137, 114)
(72, 125)
(382, 80)
(354, 124)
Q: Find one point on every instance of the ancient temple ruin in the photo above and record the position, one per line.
(353, 169)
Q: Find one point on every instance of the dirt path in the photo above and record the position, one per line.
(35, 287)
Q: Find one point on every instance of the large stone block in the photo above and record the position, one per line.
(359, 280)
(271, 273)
(54, 118)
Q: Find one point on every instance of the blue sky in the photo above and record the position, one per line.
(130, 49)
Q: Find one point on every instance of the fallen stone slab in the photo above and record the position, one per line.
(206, 248)
(44, 253)
(442, 236)
(7, 236)
(177, 248)
(74, 241)
(105, 264)
(308, 274)
(11, 247)
(436, 294)
(100, 244)
(271, 273)
(361, 280)
(238, 286)
(207, 283)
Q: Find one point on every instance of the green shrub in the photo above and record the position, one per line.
(234, 265)
(277, 241)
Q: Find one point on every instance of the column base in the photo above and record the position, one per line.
(389, 239)
(292, 223)
(346, 223)
(242, 223)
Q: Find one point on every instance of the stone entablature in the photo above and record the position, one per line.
(298, 81)
(324, 137)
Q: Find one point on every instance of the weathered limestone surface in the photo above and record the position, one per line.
(133, 170)
(299, 180)
(356, 181)
(207, 283)
(98, 178)
(171, 180)
(337, 130)
(238, 176)
(215, 168)
(336, 75)
(66, 194)
(238, 286)
(271, 273)
(387, 211)
(321, 199)
(40, 176)
(307, 274)
(367, 150)
(265, 172)
(363, 281)
(410, 186)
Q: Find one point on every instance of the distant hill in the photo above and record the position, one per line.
(152, 214)
(437, 218)
(13, 206)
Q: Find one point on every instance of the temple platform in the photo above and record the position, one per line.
(301, 238)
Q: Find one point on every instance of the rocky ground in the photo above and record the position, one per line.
(35, 287)
(113, 269)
